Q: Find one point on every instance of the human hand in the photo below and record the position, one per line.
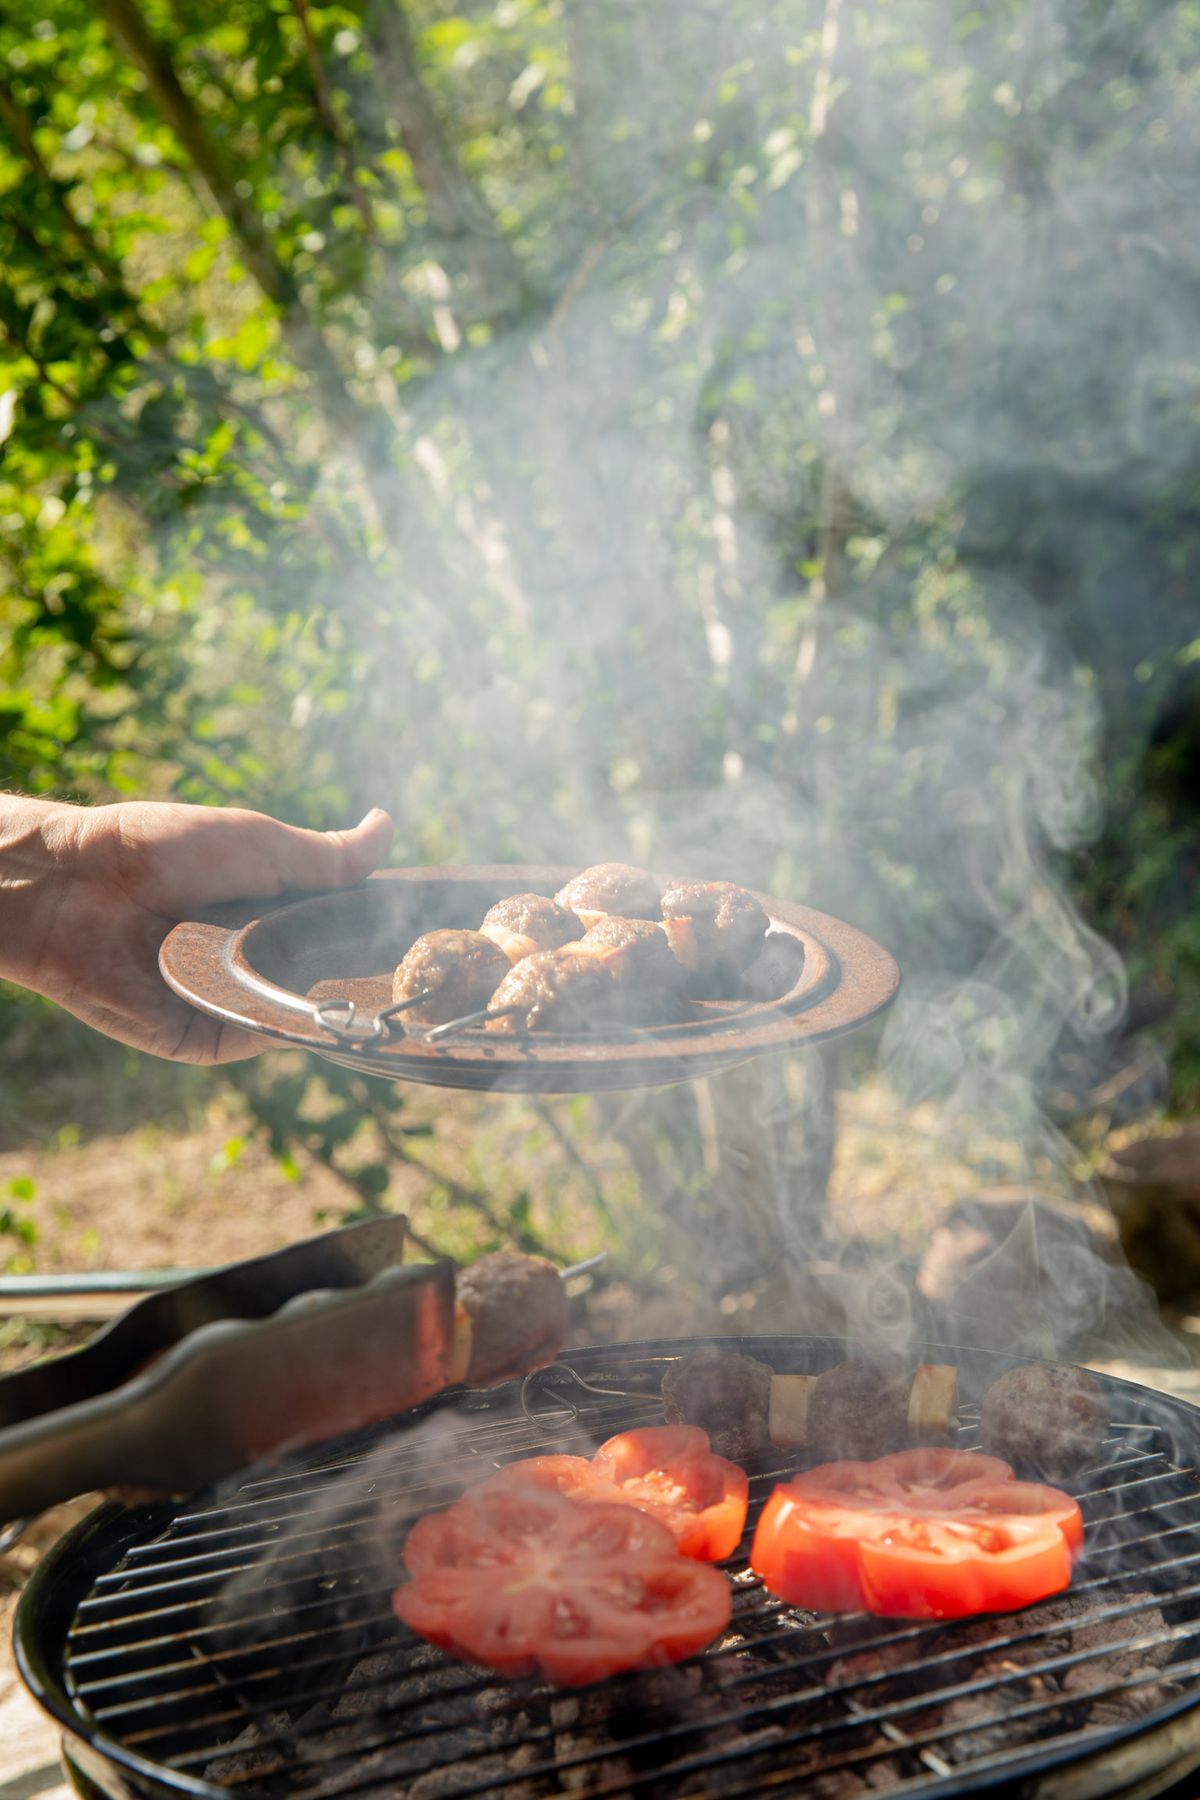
(87, 895)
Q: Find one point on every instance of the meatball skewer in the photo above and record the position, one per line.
(855, 1410)
(523, 924)
(511, 1317)
(445, 973)
(622, 970)
(715, 928)
(611, 890)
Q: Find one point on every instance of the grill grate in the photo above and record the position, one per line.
(249, 1646)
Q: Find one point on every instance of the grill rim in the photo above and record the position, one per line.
(92, 1548)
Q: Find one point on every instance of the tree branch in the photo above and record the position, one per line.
(143, 50)
(329, 118)
(455, 209)
(102, 268)
(359, 427)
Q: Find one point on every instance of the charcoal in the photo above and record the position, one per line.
(849, 1783)
(252, 1752)
(860, 1665)
(581, 1729)
(1121, 1669)
(386, 1775)
(1128, 1704)
(979, 1724)
(450, 1780)
(1113, 1635)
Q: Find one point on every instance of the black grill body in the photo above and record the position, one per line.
(244, 1643)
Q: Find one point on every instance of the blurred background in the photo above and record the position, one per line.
(755, 438)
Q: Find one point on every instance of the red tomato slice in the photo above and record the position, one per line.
(926, 1479)
(573, 1476)
(670, 1471)
(525, 1580)
(923, 1534)
(805, 1558)
(667, 1471)
(928, 1568)
(1030, 1500)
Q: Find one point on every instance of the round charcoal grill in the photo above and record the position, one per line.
(243, 1643)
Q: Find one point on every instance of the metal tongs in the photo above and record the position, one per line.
(212, 1375)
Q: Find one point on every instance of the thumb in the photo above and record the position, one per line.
(329, 859)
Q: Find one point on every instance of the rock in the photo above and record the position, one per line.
(1153, 1185)
(1016, 1269)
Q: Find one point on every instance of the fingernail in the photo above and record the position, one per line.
(376, 812)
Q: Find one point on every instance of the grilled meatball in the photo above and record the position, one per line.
(857, 1411)
(1049, 1417)
(646, 973)
(457, 972)
(728, 1395)
(557, 990)
(525, 923)
(727, 926)
(517, 1306)
(611, 888)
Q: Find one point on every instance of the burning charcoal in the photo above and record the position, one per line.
(1049, 1417)
(250, 1753)
(1120, 1669)
(727, 1395)
(1128, 1703)
(873, 1660)
(375, 1684)
(451, 1778)
(979, 1724)
(581, 1728)
(857, 1411)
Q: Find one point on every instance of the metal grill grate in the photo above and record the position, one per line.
(249, 1647)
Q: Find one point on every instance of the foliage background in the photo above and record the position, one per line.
(749, 436)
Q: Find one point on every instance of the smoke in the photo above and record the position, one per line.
(799, 529)
(803, 526)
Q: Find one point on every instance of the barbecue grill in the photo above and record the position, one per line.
(243, 1642)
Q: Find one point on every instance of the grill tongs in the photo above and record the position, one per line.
(212, 1375)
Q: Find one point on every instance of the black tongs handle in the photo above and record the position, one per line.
(224, 1371)
(254, 1289)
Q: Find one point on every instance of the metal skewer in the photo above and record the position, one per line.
(585, 1267)
(340, 1017)
(479, 1017)
(548, 1383)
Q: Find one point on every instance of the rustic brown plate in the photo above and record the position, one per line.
(269, 973)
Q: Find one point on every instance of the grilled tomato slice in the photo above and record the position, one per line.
(668, 1471)
(529, 1582)
(925, 1534)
